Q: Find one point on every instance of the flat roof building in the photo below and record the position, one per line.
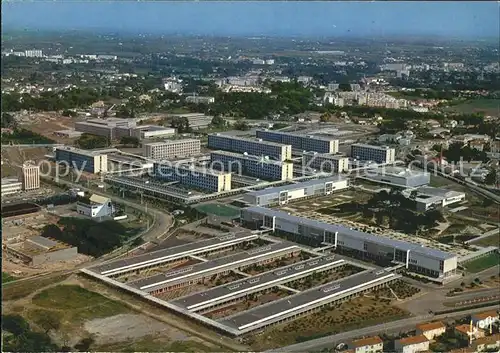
(172, 149)
(284, 194)
(379, 154)
(11, 186)
(259, 167)
(301, 142)
(151, 131)
(428, 197)
(195, 177)
(254, 147)
(95, 207)
(37, 250)
(325, 162)
(372, 344)
(398, 176)
(84, 160)
(416, 258)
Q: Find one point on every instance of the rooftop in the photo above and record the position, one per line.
(194, 169)
(8, 181)
(413, 340)
(170, 142)
(368, 341)
(396, 171)
(296, 186)
(399, 244)
(382, 148)
(429, 326)
(249, 157)
(325, 155)
(465, 329)
(485, 315)
(248, 139)
(312, 137)
(43, 242)
(90, 153)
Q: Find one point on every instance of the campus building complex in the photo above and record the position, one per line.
(398, 176)
(301, 142)
(419, 259)
(284, 194)
(111, 128)
(258, 167)
(199, 178)
(172, 149)
(324, 162)
(88, 161)
(254, 147)
(379, 154)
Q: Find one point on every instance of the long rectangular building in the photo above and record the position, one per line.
(88, 161)
(172, 149)
(195, 273)
(283, 194)
(195, 177)
(301, 142)
(259, 167)
(419, 259)
(158, 257)
(325, 162)
(307, 301)
(254, 147)
(238, 289)
(379, 154)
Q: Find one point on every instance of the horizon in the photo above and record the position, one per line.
(458, 20)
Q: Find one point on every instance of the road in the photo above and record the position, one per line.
(390, 327)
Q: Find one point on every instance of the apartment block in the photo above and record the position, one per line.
(324, 162)
(172, 149)
(254, 147)
(258, 167)
(31, 176)
(198, 178)
(379, 154)
(301, 142)
(88, 161)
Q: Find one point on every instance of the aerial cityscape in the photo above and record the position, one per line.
(240, 176)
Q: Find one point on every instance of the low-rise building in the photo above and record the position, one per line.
(412, 344)
(403, 177)
(485, 319)
(468, 332)
(11, 186)
(428, 197)
(431, 329)
(95, 207)
(367, 345)
(488, 343)
(38, 250)
(151, 131)
(200, 100)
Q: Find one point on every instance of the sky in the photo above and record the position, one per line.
(457, 19)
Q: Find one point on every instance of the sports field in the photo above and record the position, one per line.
(219, 210)
(483, 263)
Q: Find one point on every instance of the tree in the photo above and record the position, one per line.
(241, 125)
(49, 321)
(89, 141)
(84, 344)
(218, 121)
(124, 112)
(181, 124)
(129, 140)
(8, 121)
(15, 324)
(492, 177)
(68, 112)
(345, 87)
(325, 117)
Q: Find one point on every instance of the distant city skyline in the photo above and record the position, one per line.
(465, 20)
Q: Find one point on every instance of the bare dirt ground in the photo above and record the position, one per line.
(47, 123)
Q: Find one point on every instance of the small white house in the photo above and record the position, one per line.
(95, 207)
(412, 344)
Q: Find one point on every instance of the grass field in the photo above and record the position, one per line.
(20, 289)
(219, 210)
(483, 263)
(77, 303)
(488, 106)
(6, 278)
(493, 240)
(157, 344)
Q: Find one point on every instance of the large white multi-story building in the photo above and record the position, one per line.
(420, 259)
(199, 178)
(31, 176)
(301, 142)
(398, 176)
(325, 162)
(287, 193)
(379, 154)
(111, 128)
(88, 161)
(254, 147)
(95, 207)
(172, 149)
(33, 53)
(258, 167)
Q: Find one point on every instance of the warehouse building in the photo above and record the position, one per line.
(197, 273)
(428, 197)
(37, 250)
(379, 154)
(259, 167)
(301, 142)
(307, 302)
(416, 258)
(194, 177)
(287, 193)
(172, 149)
(254, 147)
(172, 254)
(324, 162)
(88, 161)
(398, 176)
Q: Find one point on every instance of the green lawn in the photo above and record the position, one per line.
(152, 344)
(493, 240)
(6, 278)
(77, 303)
(488, 106)
(482, 263)
(20, 289)
(219, 210)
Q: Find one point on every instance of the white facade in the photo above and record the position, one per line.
(172, 149)
(11, 186)
(97, 207)
(412, 344)
(31, 176)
